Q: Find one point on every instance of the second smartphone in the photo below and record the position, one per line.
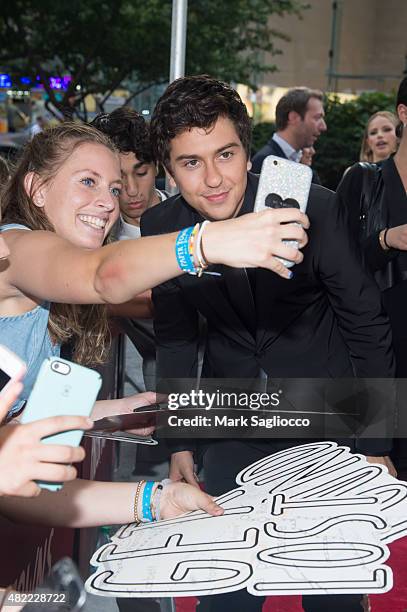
(62, 388)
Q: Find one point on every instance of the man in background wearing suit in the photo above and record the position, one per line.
(325, 322)
(299, 122)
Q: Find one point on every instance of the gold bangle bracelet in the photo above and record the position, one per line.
(382, 242)
(136, 499)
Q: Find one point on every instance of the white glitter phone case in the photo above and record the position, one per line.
(283, 184)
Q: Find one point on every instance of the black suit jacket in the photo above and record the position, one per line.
(326, 322)
(272, 148)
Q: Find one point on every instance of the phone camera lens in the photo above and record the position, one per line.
(275, 162)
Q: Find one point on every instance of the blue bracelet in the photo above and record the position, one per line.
(145, 506)
(184, 258)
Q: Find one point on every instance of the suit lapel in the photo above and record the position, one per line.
(277, 150)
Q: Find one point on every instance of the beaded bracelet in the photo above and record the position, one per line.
(163, 484)
(155, 499)
(136, 500)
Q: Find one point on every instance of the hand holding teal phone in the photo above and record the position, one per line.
(62, 388)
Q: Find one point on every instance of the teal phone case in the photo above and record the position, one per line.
(62, 388)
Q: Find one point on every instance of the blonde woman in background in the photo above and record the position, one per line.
(380, 138)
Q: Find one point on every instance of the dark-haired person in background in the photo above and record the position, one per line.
(299, 123)
(374, 196)
(325, 322)
(130, 133)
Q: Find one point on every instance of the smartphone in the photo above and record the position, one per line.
(62, 388)
(11, 368)
(283, 184)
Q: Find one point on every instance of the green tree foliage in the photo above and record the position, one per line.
(262, 132)
(103, 44)
(339, 147)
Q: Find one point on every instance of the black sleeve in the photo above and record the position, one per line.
(356, 301)
(349, 194)
(176, 328)
(376, 257)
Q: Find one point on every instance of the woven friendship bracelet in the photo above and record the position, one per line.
(192, 241)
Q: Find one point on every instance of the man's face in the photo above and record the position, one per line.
(209, 167)
(138, 191)
(308, 129)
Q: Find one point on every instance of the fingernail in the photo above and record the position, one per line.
(89, 422)
(290, 274)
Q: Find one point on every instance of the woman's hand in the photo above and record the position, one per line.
(178, 498)
(24, 458)
(256, 239)
(386, 461)
(9, 397)
(127, 405)
(131, 403)
(396, 237)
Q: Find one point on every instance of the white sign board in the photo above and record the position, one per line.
(314, 519)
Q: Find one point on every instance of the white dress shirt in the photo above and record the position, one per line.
(288, 150)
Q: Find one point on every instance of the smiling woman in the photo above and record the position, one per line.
(58, 209)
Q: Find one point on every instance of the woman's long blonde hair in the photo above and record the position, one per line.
(84, 326)
(366, 153)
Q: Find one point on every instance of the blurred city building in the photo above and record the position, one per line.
(340, 46)
(343, 46)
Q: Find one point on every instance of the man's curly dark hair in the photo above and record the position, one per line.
(128, 130)
(196, 102)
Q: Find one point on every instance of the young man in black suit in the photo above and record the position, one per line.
(300, 120)
(325, 322)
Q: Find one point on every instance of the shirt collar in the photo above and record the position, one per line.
(128, 230)
(288, 150)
